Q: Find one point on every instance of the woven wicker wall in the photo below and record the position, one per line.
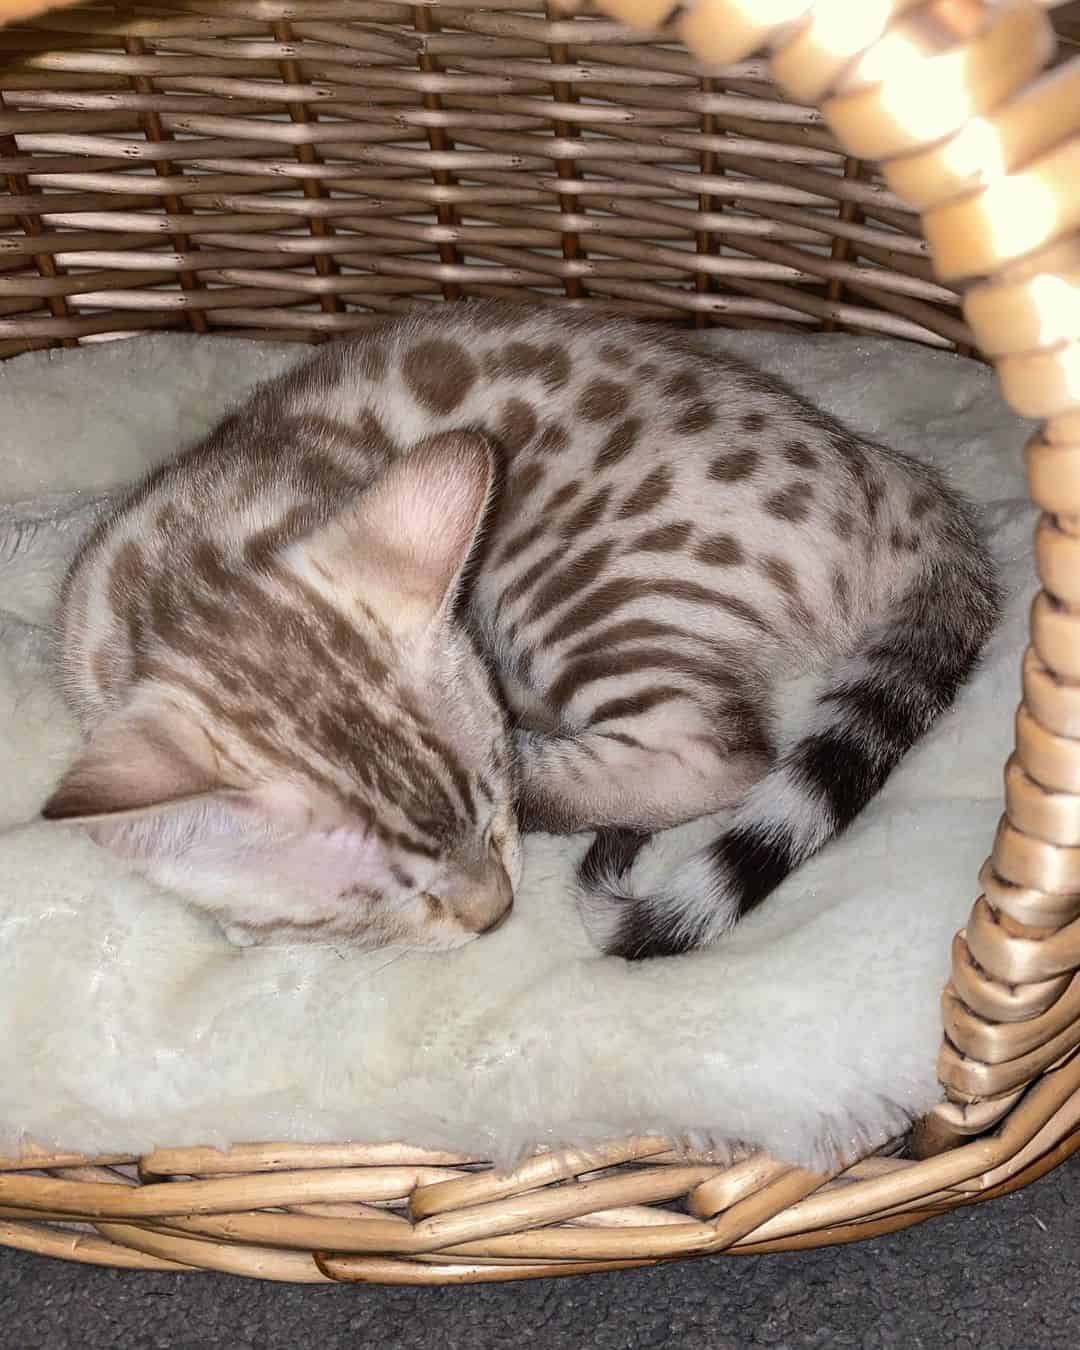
(222, 167)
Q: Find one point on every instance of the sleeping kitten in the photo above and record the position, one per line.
(485, 564)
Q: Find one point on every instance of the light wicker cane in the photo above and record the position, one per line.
(270, 169)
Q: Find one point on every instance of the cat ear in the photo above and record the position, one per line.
(402, 545)
(131, 762)
(137, 789)
(225, 820)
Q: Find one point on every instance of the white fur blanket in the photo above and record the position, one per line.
(127, 1021)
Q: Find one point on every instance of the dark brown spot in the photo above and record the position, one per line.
(520, 488)
(439, 374)
(719, 550)
(649, 493)
(561, 497)
(576, 576)
(791, 503)
(373, 434)
(753, 421)
(418, 847)
(516, 359)
(603, 401)
(524, 583)
(664, 539)
(126, 574)
(922, 503)
(317, 472)
(854, 456)
(634, 705)
(618, 444)
(745, 730)
(684, 384)
(264, 546)
(697, 417)
(356, 892)
(403, 878)
(109, 667)
(841, 591)
(517, 425)
(630, 630)
(518, 543)
(556, 368)
(126, 587)
(843, 524)
(782, 576)
(732, 468)
(904, 543)
(433, 906)
(615, 354)
(799, 454)
(552, 440)
(606, 665)
(601, 603)
(587, 514)
(621, 738)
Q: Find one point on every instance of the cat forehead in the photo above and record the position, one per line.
(374, 749)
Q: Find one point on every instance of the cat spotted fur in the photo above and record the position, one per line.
(489, 565)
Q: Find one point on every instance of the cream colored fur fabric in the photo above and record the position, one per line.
(127, 1021)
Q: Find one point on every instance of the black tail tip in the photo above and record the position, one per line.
(643, 934)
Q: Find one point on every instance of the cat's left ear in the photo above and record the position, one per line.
(143, 787)
(401, 546)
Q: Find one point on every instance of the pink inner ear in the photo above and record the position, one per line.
(402, 544)
(429, 506)
(132, 761)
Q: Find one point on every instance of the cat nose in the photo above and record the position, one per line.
(488, 899)
(497, 921)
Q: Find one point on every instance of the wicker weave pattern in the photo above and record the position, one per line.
(463, 151)
(274, 170)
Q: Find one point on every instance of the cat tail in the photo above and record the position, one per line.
(874, 705)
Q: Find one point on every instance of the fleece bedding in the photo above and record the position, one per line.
(127, 1021)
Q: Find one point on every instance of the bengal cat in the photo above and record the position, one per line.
(487, 566)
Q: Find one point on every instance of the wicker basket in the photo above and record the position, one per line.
(268, 169)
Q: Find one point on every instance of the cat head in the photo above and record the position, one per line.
(311, 748)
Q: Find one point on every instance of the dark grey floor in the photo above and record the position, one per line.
(1002, 1276)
